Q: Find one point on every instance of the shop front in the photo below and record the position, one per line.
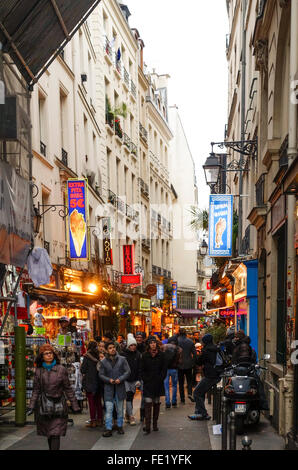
(246, 300)
(189, 319)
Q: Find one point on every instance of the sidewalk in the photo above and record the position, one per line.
(263, 435)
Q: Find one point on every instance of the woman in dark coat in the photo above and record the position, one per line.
(52, 379)
(153, 373)
(91, 384)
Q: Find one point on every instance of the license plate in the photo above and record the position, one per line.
(240, 408)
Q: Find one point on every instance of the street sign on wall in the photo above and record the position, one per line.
(220, 225)
(77, 205)
(107, 243)
(160, 292)
(174, 294)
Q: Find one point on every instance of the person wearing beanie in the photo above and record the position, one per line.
(133, 358)
(207, 359)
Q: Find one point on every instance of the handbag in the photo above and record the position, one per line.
(50, 407)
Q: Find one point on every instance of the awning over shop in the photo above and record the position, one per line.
(33, 32)
(190, 313)
(65, 297)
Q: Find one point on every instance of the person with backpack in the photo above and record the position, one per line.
(212, 363)
(173, 355)
(186, 365)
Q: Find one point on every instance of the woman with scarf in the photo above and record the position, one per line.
(51, 379)
(91, 384)
(153, 373)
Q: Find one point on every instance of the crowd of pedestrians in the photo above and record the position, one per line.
(112, 371)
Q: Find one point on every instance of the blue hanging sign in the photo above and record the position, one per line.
(220, 225)
(174, 294)
(77, 219)
(160, 292)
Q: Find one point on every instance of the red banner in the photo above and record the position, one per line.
(128, 259)
(131, 279)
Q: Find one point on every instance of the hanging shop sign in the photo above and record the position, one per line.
(220, 225)
(174, 294)
(145, 304)
(78, 239)
(240, 286)
(208, 285)
(151, 290)
(107, 243)
(131, 279)
(15, 217)
(160, 292)
(128, 259)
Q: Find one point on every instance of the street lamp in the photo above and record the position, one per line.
(212, 169)
(203, 248)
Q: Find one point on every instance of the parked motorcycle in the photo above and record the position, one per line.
(241, 387)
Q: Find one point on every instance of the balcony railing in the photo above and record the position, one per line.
(112, 198)
(64, 157)
(133, 89)
(121, 205)
(144, 187)
(283, 153)
(126, 140)
(260, 191)
(133, 149)
(245, 245)
(43, 149)
(108, 49)
(143, 132)
(118, 130)
(126, 76)
(118, 64)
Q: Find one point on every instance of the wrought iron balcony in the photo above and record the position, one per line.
(112, 198)
(110, 119)
(126, 140)
(121, 205)
(126, 76)
(43, 149)
(143, 132)
(133, 89)
(118, 130)
(108, 49)
(64, 157)
(118, 64)
(283, 153)
(133, 149)
(245, 244)
(144, 187)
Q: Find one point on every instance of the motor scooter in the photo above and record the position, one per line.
(241, 388)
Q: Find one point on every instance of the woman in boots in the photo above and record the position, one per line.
(91, 384)
(153, 373)
(51, 379)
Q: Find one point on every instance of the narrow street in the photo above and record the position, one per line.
(176, 432)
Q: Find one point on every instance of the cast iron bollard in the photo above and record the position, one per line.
(246, 443)
(218, 411)
(214, 403)
(224, 419)
(232, 430)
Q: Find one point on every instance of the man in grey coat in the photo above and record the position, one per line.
(113, 371)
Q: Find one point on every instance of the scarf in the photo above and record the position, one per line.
(49, 367)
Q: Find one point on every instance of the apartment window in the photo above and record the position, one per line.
(63, 120)
(133, 180)
(86, 140)
(186, 300)
(109, 167)
(125, 180)
(118, 175)
(42, 125)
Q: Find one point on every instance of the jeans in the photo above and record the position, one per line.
(199, 394)
(188, 373)
(119, 404)
(173, 373)
(95, 407)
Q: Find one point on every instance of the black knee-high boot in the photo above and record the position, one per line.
(156, 408)
(148, 414)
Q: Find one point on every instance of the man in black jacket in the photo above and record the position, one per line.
(186, 364)
(207, 359)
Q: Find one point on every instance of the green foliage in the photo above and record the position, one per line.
(200, 219)
(218, 332)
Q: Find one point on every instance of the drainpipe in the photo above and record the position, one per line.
(243, 108)
(291, 205)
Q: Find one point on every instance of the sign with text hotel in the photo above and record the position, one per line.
(129, 259)
(220, 225)
(78, 240)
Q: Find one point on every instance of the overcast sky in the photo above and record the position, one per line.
(187, 39)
